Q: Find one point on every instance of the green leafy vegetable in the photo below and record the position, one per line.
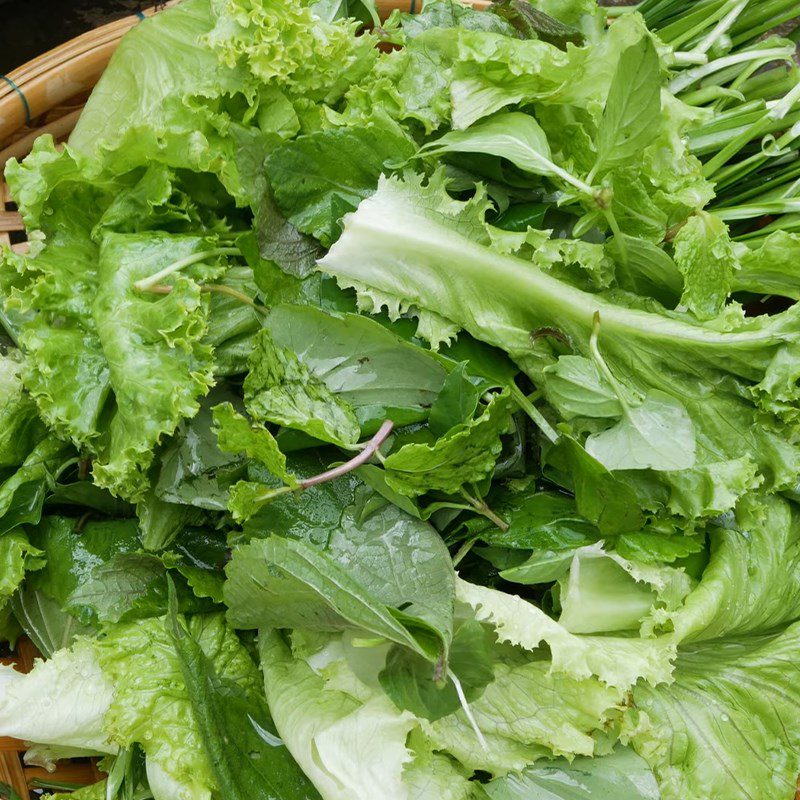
(465, 454)
(319, 177)
(368, 576)
(237, 435)
(631, 116)
(279, 388)
(321, 305)
(231, 721)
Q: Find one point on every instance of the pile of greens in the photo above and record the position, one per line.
(411, 408)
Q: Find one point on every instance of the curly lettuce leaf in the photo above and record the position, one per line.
(467, 453)
(618, 662)
(20, 427)
(280, 388)
(284, 43)
(525, 713)
(411, 85)
(159, 101)
(93, 326)
(729, 371)
(492, 71)
(151, 701)
(772, 268)
(62, 702)
(705, 256)
(751, 581)
(17, 557)
(236, 435)
(604, 592)
(162, 336)
(60, 278)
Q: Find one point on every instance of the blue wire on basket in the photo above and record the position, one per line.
(141, 15)
(21, 97)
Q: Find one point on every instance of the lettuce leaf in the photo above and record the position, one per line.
(346, 745)
(17, 556)
(280, 388)
(621, 774)
(412, 267)
(79, 370)
(618, 662)
(163, 337)
(232, 721)
(466, 454)
(20, 427)
(63, 701)
(527, 712)
(725, 727)
(151, 702)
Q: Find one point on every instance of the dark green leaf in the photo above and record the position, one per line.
(200, 556)
(126, 587)
(280, 242)
(456, 402)
(87, 495)
(22, 495)
(542, 566)
(319, 177)
(160, 522)
(442, 14)
(522, 216)
(538, 521)
(411, 681)
(194, 470)
(73, 554)
(601, 498)
(229, 718)
(369, 367)
(390, 574)
(313, 513)
(531, 23)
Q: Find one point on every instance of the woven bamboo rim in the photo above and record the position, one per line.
(55, 87)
